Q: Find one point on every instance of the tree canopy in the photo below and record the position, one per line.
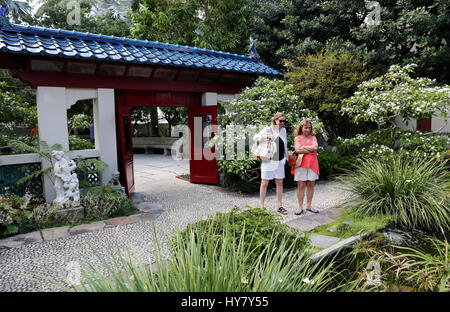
(287, 28)
(210, 24)
(408, 31)
(94, 17)
(322, 80)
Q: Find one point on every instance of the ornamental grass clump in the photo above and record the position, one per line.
(414, 191)
(376, 265)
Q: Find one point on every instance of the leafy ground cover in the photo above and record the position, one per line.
(19, 215)
(358, 224)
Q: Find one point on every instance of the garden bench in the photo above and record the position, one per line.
(154, 142)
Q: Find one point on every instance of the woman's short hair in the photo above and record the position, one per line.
(299, 130)
(277, 116)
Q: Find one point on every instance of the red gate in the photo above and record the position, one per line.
(203, 163)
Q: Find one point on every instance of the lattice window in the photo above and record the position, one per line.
(92, 176)
(9, 175)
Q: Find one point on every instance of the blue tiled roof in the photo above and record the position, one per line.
(70, 44)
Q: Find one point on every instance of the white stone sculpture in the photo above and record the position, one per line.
(71, 187)
(66, 182)
(114, 183)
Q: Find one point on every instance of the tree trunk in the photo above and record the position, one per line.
(154, 121)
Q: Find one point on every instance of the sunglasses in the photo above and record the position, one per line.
(282, 120)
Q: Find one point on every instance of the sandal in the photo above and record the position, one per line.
(300, 212)
(312, 210)
(282, 211)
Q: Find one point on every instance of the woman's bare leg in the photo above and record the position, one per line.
(300, 193)
(279, 184)
(309, 193)
(262, 192)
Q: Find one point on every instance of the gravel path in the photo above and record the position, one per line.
(181, 202)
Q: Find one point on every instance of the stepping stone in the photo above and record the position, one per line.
(22, 239)
(323, 241)
(11, 244)
(309, 221)
(84, 228)
(332, 213)
(322, 219)
(139, 197)
(122, 220)
(148, 206)
(336, 247)
(314, 250)
(303, 224)
(146, 217)
(55, 233)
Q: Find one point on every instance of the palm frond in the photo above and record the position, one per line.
(118, 8)
(19, 7)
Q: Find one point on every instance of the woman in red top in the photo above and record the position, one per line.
(308, 172)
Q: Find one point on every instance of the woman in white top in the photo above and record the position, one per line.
(274, 167)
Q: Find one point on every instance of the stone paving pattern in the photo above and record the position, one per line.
(167, 204)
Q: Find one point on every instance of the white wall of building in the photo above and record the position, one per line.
(410, 125)
(440, 122)
(105, 131)
(52, 106)
(209, 99)
(437, 123)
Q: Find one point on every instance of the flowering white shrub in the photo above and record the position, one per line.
(382, 99)
(396, 93)
(379, 143)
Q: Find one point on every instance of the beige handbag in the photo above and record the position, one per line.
(264, 148)
(295, 159)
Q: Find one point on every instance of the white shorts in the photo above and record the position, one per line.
(305, 174)
(271, 170)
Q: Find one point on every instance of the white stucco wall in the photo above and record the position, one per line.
(437, 122)
(52, 123)
(411, 126)
(52, 116)
(105, 131)
(52, 106)
(209, 99)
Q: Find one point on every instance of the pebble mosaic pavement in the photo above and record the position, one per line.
(179, 203)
